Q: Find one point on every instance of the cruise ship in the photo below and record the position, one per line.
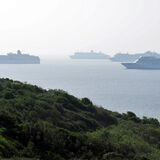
(144, 63)
(89, 55)
(19, 58)
(125, 57)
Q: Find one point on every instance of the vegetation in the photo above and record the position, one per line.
(38, 124)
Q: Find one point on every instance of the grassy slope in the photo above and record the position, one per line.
(55, 125)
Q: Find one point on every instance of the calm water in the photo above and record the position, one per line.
(107, 84)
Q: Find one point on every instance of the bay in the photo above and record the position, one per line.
(106, 83)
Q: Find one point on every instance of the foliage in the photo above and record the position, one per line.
(52, 125)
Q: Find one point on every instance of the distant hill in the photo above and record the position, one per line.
(54, 125)
(125, 57)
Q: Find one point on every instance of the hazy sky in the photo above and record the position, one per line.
(58, 28)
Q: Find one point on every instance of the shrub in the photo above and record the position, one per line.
(86, 101)
(9, 95)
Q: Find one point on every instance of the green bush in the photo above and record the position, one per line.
(52, 124)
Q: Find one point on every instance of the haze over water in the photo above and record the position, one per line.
(106, 83)
(56, 29)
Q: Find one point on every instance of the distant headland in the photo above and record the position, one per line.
(19, 58)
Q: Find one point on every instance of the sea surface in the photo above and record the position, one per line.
(106, 83)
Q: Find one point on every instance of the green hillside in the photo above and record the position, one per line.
(52, 125)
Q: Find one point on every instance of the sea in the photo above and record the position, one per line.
(107, 84)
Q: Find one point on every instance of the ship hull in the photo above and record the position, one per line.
(140, 66)
(89, 55)
(19, 60)
(72, 57)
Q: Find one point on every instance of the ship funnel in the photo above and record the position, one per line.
(19, 52)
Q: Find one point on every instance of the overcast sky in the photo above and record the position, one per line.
(57, 28)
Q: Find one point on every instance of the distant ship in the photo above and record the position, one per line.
(149, 62)
(19, 58)
(125, 57)
(89, 55)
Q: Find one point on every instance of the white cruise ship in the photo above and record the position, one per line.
(144, 63)
(89, 55)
